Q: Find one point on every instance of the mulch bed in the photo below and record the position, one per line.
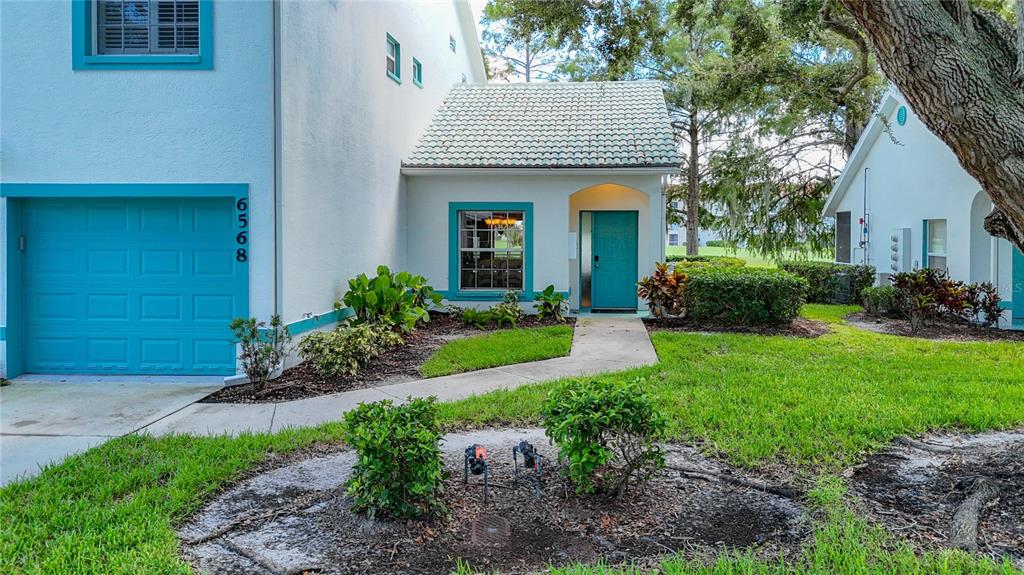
(397, 365)
(915, 489)
(299, 526)
(800, 327)
(937, 330)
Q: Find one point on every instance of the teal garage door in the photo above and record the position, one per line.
(132, 286)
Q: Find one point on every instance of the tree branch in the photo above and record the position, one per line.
(852, 34)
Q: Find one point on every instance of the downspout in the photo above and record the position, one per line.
(276, 32)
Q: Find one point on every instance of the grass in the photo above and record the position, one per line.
(497, 348)
(752, 259)
(817, 403)
(821, 402)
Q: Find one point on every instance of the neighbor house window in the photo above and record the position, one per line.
(417, 72)
(935, 244)
(394, 60)
(673, 239)
(492, 250)
(843, 239)
(147, 34)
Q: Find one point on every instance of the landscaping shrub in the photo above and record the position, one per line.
(607, 433)
(924, 294)
(664, 290)
(744, 296)
(400, 298)
(825, 278)
(715, 243)
(263, 347)
(398, 470)
(550, 304)
(508, 311)
(725, 261)
(476, 317)
(343, 351)
(879, 300)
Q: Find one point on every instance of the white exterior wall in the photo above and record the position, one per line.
(914, 179)
(59, 125)
(555, 211)
(345, 128)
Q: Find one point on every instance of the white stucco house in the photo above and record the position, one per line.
(904, 202)
(166, 165)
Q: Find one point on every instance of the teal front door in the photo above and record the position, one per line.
(614, 239)
(132, 285)
(1018, 289)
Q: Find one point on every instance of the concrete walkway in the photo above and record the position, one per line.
(46, 418)
(600, 344)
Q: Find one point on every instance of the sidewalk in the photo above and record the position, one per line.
(600, 344)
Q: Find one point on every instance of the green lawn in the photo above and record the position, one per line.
(752, 259)
(502, 347)
(816, 403)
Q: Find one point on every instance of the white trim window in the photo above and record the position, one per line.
(492, 250)
(147, 27)
(935, 249)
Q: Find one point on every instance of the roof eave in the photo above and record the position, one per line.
(414, 170)
(860, 152)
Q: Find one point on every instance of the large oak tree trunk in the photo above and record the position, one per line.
(956, 68)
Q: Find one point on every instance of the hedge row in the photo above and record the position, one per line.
(743, 296)
(827, 281)
(713, 260)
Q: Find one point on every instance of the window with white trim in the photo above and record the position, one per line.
(491, 249)
(394, 59)
(147, 27)
(935, 249)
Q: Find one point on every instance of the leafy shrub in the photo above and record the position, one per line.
(700, 261)
(508, 311)
(398, 470)
(263, 347)
(879, 300)
(401, 298)
(478, 318)
(550, 304)
(744, 296)
(715, 243)
(342, 352)
(606, 432)
(664, 290)
(924, 294)
(824, 278)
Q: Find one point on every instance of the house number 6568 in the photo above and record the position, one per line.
(242, 237)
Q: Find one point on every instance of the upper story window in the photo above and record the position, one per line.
(153, 27)
(417, 72)
(394, 59)
(935, 244)
(142, 34)
(451, 42)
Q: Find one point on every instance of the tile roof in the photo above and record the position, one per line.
(549, 125)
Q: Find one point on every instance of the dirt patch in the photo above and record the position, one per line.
(398, 365)
(916, 488)
(297, 517)
(800, 327)
(938, 330)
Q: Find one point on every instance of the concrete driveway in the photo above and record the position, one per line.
(44, 419)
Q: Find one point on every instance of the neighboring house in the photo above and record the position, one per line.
(168, 165)
(521, 186)
(903, 202)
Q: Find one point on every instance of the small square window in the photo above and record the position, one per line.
(394, 59)
(451, 42)
(417, 72)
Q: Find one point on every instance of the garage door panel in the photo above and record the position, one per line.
(143, 285)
